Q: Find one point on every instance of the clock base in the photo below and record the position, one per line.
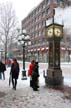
(54, 77)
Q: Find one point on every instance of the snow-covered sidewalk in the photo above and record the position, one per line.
(25, 97)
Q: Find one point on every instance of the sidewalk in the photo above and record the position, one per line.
(25, 97)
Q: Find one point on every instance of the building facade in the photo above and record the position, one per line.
(35, 23)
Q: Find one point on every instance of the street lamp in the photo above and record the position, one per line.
(23, 39)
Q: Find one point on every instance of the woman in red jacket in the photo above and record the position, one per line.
(31, 67)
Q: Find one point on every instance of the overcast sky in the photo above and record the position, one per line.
(23, 7)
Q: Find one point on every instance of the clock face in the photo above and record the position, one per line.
(50, 32)
(57, 32)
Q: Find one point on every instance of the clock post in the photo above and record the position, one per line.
(54, 34)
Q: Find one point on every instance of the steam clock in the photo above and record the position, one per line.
(54, 34)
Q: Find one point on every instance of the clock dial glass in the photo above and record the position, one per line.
(57, 31)
(50, 32)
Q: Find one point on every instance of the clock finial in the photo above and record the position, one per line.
(53, 14)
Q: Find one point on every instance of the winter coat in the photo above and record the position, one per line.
(14, 70)
(2, 67)
(35, 73)
(31, 66)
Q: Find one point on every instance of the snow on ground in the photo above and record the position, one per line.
(25, 97)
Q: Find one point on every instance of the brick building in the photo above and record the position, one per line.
(35, 23)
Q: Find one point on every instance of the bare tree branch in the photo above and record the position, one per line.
(8, 24)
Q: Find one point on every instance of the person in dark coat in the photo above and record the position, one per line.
(35, 77)
(3, 72)
(2, 69)
(15, 73)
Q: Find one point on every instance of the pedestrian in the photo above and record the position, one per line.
(8, 63)
(30, 70)
(2, 70)
(15, 73)
(35, 77)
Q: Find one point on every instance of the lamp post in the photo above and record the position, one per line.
(24, 38)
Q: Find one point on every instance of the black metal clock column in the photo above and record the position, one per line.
(54, 33)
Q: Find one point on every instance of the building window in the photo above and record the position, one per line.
(36, 27)
(32, 29)
(43, 14)
(39, 33)
(36, 19)
(32, 35)
(61, 3)
(43, 6)
(48, 1)
(39, 9)
(48, 11)
(43, 23)
(56, 1)
(39, 17)
(43, 32)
